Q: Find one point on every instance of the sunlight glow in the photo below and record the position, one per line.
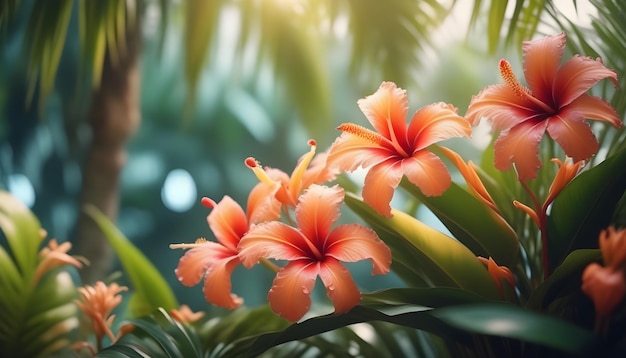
(22, 189)
(179, 191)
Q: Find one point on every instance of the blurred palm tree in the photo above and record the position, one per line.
(387, 40)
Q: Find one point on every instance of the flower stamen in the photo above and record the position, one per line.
(363, 133)
(507, 74)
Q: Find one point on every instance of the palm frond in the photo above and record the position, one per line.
(45, 41)
(388, 36)
(508, 30)
(102, 26)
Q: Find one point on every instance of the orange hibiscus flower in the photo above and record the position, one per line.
(215, 261)
(313, 249)
(396, 149)
(555, 102)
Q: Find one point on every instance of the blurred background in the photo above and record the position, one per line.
(142, 107)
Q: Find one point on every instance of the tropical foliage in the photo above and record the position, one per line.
(530, 260)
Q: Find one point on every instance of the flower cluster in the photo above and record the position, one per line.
(291, 217)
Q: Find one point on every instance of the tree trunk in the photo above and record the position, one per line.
(114, 117)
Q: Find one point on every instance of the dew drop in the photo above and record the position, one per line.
(305, 290)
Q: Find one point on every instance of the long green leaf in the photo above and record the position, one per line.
(455, 324)
(151, 289)
(428, 297)
(563, 279)
(444, 260)
(475, 225)
(502, 320)
(584, 208)
(201, 19)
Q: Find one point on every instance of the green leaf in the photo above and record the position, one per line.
(442, 260)
(564, 279)
(428, 297)
(584, 208)
(46, 32)
(455, 324)
(22, 231)
(496, 18)
(201, 19)
(478, 227)
(151, 289)
(157, 335)
(503, 320)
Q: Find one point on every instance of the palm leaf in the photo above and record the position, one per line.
(46, 32)
(156, 335)
(388, 36)
(29, 325)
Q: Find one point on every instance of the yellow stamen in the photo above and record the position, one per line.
(258, 171)
(199, 242)
(509, 78)
(362, 132)
(295, 181)
(520, 90)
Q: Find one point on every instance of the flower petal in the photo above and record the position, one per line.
(434, 123)
(427, 172)
(380, 183)
(577, 76)
(350, 152)
(386, 110)
(520, 145)
(272, 239)
(574, 135)
(228, 222)
(318, 209)
(262, 203)
(217, 284)
(197, 261)
(542, 58)
(289, 295)
(591, 107)
(353, 242)
(340, 286)
(501, 106)
(319, 171)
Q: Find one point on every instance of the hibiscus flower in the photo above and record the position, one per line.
(215, 261)
(555, 102)
(396, 149)
(314, 249)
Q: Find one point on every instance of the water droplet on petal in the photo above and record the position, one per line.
(305, 290)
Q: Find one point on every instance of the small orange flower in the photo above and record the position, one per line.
(311, 169)
(313, 249)
(606, 286)
(555, 102)
(97, 302)
(499, 274)
(395, 149)
(185, 315)
(215, 261)
(567, 171)
(55, 255)
(468, 171)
